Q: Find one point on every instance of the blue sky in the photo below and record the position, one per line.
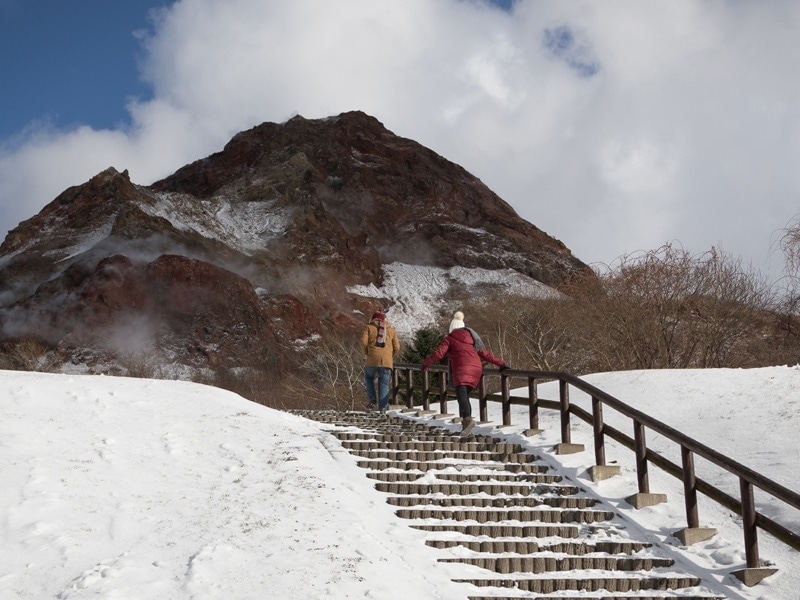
(70, 62)
(75, 62)
(614, 126)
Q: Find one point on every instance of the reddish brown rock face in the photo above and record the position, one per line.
(361, 186)
(255, 246)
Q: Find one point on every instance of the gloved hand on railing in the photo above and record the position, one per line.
(504, 367)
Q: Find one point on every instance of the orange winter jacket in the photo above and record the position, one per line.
(375, 356)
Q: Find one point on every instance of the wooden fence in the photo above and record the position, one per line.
(409, 379)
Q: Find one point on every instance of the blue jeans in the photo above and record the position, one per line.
(384, 375)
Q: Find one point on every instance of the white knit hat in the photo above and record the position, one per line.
(458, 321)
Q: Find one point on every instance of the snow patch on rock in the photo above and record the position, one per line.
(246, 226)
(416, 294)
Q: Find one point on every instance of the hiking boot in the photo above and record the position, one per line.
(467, 423)
(371, 406)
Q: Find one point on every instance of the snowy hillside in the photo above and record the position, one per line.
(418, 293)
(245, 226)
(145, 490)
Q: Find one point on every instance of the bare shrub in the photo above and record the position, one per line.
(331, 376)
(144, 365)
(258, 376)
(262, 387)
(667, 308)
(789, 244)
(528, 333)
(789, 302)
(28, 355)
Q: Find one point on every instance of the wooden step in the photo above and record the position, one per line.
(472, 476)
(518, 546)
(501, 502)
(580, 595)
(496, 516)
(490, 468)
(466, 489)
(436, 442)
(545, 564)
(612, 584)
(504, 531)
(413, 474)
(436, 455)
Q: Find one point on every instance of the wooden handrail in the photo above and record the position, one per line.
(748, 478)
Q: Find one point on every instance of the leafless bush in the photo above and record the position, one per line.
(789, 302)
(28, 355)
(668, 308)
(331, 377)
(789, 244)
(262, 387)
(528, 333)
(144, 365)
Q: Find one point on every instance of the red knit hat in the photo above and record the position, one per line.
(378, 316)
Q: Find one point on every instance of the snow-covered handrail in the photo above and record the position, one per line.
(748, 478)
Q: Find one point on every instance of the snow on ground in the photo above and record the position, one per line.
(417, 292)
(145, 489)
(750, 415)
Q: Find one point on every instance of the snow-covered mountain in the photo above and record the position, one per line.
(291, 231)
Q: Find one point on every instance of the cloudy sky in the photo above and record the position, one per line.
(615, 126)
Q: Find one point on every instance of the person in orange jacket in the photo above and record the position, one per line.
(381, 345)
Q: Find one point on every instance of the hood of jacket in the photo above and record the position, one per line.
(463, 335)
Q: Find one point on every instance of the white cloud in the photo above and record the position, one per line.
(613, 126)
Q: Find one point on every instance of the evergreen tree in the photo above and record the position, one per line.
(424, 343)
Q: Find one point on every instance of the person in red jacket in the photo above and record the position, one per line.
(466, 352)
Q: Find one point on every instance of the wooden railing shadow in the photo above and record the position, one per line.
(411, 384)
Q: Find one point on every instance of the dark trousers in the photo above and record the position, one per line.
(464, 405)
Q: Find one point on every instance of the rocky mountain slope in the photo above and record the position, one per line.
(242, 257)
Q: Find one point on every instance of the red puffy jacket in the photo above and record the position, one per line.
(465, 361)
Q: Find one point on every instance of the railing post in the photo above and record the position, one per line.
(641, 458)
(395, 386)
(409, 388)
(690, 487)
(426, 390)
(599, 432)
(533, 403)
(563, 392)
(693, 532)
(506, 399)
(443, 393)
(483, 403)
(749, 524)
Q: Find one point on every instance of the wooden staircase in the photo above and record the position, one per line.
(494, 507)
